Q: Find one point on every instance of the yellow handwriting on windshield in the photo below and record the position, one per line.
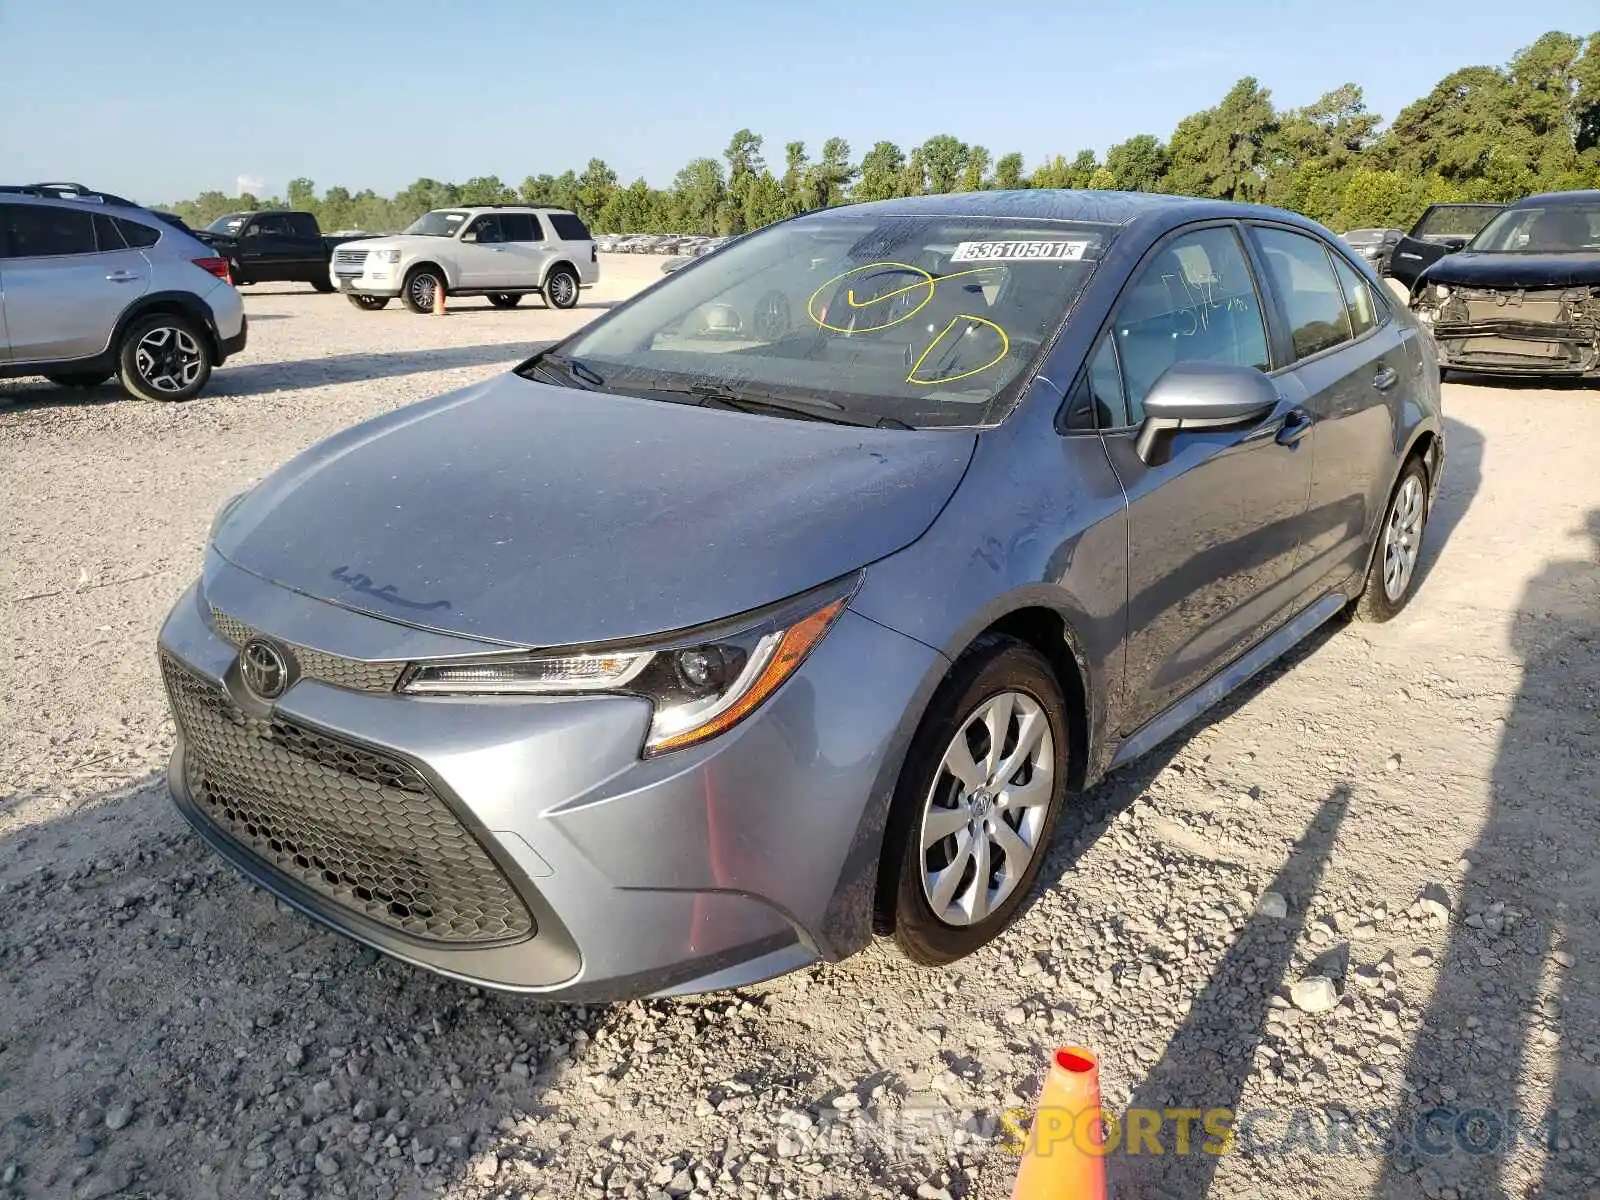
(975, 322)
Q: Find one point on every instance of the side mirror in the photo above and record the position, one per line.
(1204, 395)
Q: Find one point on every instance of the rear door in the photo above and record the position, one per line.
(308, 258)
(67, 278)
(527, 248)
(1350, 368)
(1215, 521)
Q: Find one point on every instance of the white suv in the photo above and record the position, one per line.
(504, 252)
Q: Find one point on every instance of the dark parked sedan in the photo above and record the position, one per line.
(796, 597)
(1523, 298)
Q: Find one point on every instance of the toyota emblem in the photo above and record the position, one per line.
(264, 669)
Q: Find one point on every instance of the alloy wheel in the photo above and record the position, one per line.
(562, 289)
(423, 288)
(169, 359)
(1402, 539)
(986, 810)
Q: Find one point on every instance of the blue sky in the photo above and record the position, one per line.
(160, 99)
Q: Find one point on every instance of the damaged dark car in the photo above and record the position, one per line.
(1523, 298)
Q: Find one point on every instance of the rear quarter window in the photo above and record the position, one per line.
(136, 233)
(569, 228)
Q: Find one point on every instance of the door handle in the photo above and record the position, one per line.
(122, 276)
(1408, 254)
(1385, 379)
(1296, 424)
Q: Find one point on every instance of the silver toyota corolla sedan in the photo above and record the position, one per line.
(793, 599)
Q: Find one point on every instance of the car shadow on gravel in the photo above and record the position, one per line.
(1508, 1055)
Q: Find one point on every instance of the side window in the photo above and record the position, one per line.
(274, 225)
(569, 227)
(1193, 301)
(106, 234)
(40, 231)
(1301, 275)
(519, 227)
(136, 234)
(486, 230)
(1359, 301)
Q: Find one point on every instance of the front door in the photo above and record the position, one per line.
(482, 255)
(64, 294)
(1214, 519)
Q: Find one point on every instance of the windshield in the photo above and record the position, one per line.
(1456, 220)
(439, 223)
(1557, 229)
(229, 224)
(915, 320)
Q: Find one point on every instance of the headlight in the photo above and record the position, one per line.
(700, 683)
(228, 506)
(384, 256)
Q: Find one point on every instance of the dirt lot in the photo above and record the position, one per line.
(167, 1030)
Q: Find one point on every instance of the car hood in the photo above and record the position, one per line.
(534, 515)
(1471, 269)
(398, 241)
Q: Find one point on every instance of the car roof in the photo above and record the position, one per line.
(1067, 204)
(1547, 199)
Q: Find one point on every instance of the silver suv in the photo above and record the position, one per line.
(92, 286)
(504, 252)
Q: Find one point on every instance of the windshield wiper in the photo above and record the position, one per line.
(571, 368)
(807, 410)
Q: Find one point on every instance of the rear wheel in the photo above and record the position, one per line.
(370, 303)
(976, 802)
(1393, 574)
(80, 378)
(164, 357)
(422, 285)
(506, 299)
(561, 288)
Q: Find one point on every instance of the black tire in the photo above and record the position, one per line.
(561, 288)
(324, 286)
(420, 288)
(1406, 518)
(992, 667)
(370, 303)
(506, 299)
(164, 356)
(81, 379)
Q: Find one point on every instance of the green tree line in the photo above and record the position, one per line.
(1481, 133)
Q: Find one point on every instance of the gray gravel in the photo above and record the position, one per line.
(1404, 813)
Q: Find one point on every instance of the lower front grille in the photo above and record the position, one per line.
(358, 827)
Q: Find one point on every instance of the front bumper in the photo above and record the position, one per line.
(1518, 348)
(712, 867)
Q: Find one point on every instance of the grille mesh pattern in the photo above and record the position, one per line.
(349, 673)
(361, 828)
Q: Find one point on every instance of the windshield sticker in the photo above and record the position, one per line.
(1019, 251)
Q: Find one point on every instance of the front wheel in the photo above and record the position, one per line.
(370, 303)
(422, 286)
(324, 286)
(1393, 573)
(506, 299)
(976, 802)
(164, 357)
(561, 288)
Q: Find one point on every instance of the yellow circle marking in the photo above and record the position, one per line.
(1005, 348)
(821, 320)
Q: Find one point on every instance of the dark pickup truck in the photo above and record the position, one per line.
(1442, 229)
(273, 247)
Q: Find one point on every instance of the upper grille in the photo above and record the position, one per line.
(359, 827)
(349, 262)
(347, 673)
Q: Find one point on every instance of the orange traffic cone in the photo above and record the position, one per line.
(1064, 1158)
(438, 299)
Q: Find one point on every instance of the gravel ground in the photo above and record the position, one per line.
(1366, 885)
